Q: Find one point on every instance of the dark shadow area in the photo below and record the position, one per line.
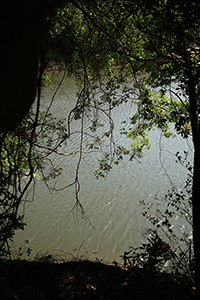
(26, 280)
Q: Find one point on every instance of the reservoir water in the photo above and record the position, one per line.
(111, 203)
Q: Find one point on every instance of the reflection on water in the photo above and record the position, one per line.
(112, 204)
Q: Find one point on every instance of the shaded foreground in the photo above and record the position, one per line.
(46, 280)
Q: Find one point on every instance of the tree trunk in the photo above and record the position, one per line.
(196, 179)
(196, 216)
(22, 25)
(21, 29)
